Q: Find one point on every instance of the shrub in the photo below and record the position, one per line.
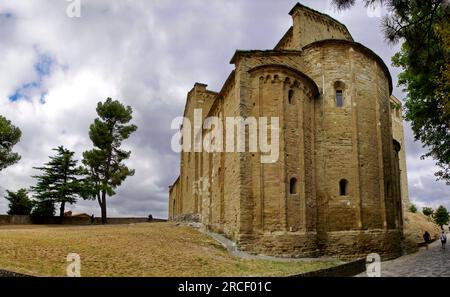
(428, 211)
(19, 202)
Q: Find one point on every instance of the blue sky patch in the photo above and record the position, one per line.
(42, 68)
(6, 15)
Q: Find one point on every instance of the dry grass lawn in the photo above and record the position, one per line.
(158, 249)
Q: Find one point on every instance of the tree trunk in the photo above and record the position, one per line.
(61, 209)
(103, 208)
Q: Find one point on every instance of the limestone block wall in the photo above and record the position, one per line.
(351, 143)
(398, 133)
(201, 99)
(174, 199)
(220, 205)
(361, 134)
(275, 214)
(279, 189)
(310, 26)
(335, 148)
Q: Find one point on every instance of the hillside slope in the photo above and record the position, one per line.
(415, 226)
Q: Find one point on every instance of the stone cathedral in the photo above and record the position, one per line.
(339, 184)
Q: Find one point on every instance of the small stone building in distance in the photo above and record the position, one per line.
(337, 186)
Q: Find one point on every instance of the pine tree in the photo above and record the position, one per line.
(9, 136)
(43, 209)
(105, 162)
(61, 180)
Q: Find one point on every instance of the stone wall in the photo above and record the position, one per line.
(397, 130)
(27, 220)
(344, 270)
(14, 220)
(175, 199)
(309, 26)
(200, 99)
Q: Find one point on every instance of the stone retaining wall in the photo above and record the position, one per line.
(5, 273)
(15, 220)
(27, 220)
(344, 270)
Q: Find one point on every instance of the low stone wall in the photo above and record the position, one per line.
(5, 273)
(344, 270)
(27, 220)
(87, 221)
(15, 220)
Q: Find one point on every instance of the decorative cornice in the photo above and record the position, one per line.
(315, 89)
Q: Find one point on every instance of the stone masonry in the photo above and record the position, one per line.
(337, 185)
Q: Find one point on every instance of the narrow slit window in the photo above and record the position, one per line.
(343, 187)
(291, 97)
(339, 98)
(293, 186)
(388, 189)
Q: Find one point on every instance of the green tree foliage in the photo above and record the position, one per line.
(9, 136)
(441, 216)
(61, 180)
(105, 162)
(43, 209)
(428, 211)
(19, 202)
(424, 28)
(412, 208)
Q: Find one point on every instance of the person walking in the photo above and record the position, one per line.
(92, 219)
(443, 239)
(427, 239)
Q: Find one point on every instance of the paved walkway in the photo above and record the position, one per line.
(425, 263)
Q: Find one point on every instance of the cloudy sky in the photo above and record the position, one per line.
(148, 54)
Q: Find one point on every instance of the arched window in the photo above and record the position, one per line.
(293, 186)
(339, 87)
(291, 96)
(343, 183)
(339, 98)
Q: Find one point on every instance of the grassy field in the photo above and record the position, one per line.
(158, 249)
